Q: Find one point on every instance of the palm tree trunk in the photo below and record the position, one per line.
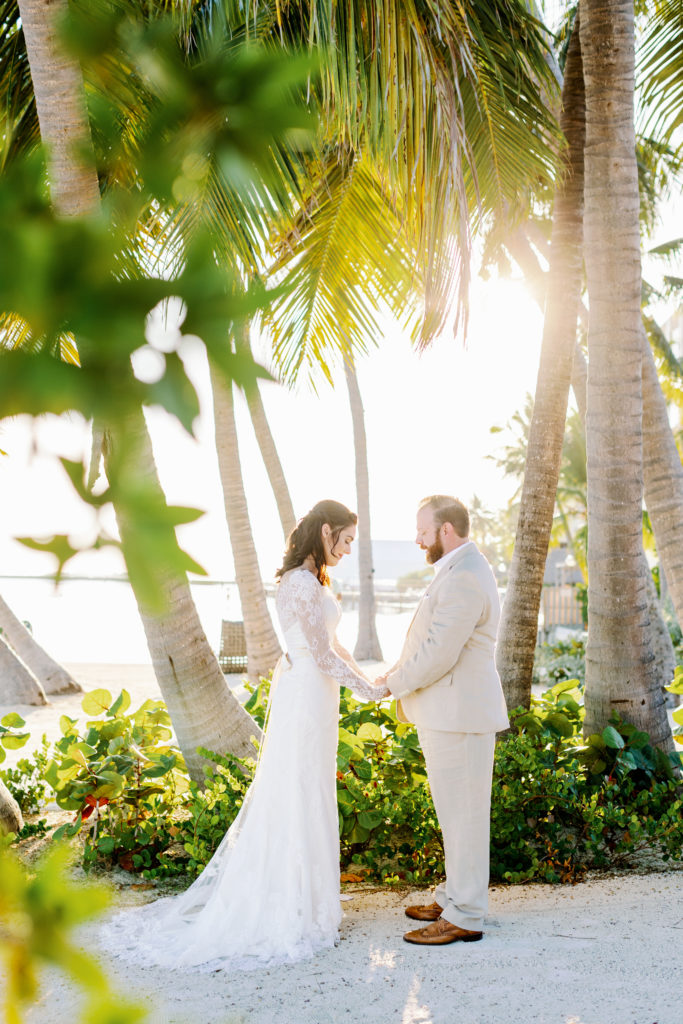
(620, 665)
(60, 102)
(263, 647)
(18, 685)
(663, 479)
(367, 645)
(519, 621)
(271, 460)
(10, 814)
(51, 676)
(203, 710)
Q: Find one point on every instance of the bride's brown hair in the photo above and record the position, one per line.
(306, 537)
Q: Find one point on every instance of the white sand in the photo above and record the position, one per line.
(603, 952)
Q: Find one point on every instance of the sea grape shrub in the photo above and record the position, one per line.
(122, 777)
(26, 781)
(559, 805)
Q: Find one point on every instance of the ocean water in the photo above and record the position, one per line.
(97, 621)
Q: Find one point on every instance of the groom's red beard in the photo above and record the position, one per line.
(434, 552)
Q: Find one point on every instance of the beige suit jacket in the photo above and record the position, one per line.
(446, 676)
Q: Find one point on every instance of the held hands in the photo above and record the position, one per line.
(380, 684)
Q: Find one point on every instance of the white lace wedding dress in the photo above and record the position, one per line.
(270, 893)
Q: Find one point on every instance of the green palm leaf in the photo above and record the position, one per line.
(18, 118)
(660, 69)
(343, 262)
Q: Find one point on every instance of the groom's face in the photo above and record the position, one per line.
(429, 536)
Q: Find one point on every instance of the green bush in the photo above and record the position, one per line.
(559, 805)
(122, 778)
(26, 782)
(206, 816)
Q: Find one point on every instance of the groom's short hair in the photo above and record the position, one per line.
(448, 509)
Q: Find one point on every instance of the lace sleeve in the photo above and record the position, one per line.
(304, 599)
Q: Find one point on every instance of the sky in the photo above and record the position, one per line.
(428, 420)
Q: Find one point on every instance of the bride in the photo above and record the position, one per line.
(270, 893)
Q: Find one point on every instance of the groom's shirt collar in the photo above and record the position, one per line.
(445, 559)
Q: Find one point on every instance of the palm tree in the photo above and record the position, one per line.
(371, 59)
(271, 459)
(367, 645)
(620, 664)
(52, 677)
(263, 647)
(11, 819)
(203, 710)
(519, 621)
(18, 685)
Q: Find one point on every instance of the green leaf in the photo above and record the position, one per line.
(358, 834)
(16, 741)
(110, 784)
(121, 704)
(677, 685)
(563, 686)
(560, 723)
(638, 740)
(370, 819)
(370, 731)
(530, 722)
(612, 738)
(345, 801)
(96, 702)
(13, 720)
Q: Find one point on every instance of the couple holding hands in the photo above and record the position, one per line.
(270, 893)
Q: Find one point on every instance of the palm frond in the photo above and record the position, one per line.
(15, 333)
(662, 348)
(448, 100)
(659, 171)
(18, 118)
(660, 70)
(668, 250)
(341, 264)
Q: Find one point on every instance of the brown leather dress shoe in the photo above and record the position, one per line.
(425, 912)
(440, 933)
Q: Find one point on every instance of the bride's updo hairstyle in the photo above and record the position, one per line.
(306, 537)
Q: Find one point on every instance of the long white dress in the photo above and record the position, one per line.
(270, 893)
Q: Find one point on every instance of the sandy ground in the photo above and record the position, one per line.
(606, 951)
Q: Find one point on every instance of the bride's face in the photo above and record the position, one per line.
(336, 549)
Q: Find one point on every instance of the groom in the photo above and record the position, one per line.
(446, 683)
